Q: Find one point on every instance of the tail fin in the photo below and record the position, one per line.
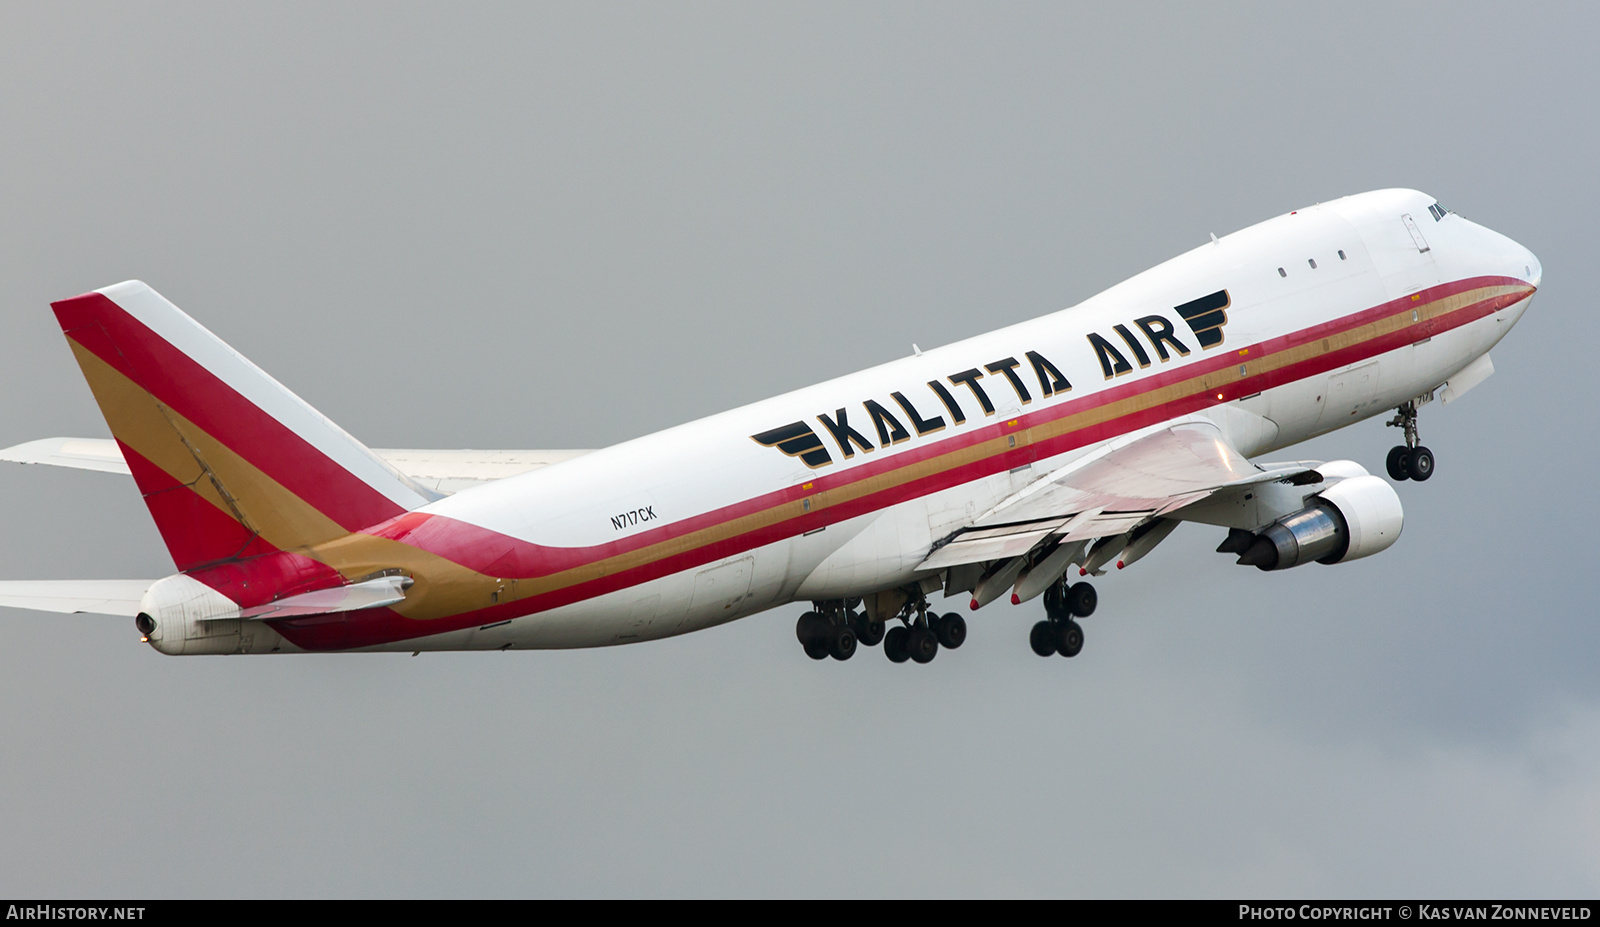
(231, 464)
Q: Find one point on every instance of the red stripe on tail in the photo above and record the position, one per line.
(105, 329)
(196, 531)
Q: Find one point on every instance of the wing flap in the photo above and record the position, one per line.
(994, 543)
(1106, 524)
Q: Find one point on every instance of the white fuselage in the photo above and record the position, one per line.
(714, 466)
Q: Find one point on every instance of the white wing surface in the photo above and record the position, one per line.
(451, 471)
(447, 471)
(100, 454)
(71, 596)
(1112, 492)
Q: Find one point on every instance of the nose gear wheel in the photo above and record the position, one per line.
(1409, 461)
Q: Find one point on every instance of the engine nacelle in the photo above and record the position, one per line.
(1353, 518)
(181, 615)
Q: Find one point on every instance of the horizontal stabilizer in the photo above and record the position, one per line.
(446, 471)
(73, 596)
(385, 590)
(100, 454)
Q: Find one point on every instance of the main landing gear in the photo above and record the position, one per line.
(835, 628)
(1409, 461)
(1060, 632)
(922, 633)
(920, 638)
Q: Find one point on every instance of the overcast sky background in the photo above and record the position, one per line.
(534, 226)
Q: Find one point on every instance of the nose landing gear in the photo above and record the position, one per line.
(1409, 461)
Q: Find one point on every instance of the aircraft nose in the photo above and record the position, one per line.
(1517, 261)
(1533, 271)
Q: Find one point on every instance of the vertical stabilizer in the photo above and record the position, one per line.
(230, 462)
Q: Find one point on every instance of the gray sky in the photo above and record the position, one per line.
(520, 225)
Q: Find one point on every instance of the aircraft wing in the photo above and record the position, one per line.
(451, 471)
(100, 454)
(72, 596)
(445, 471)
(1119, 488)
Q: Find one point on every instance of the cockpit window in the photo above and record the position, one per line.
(1438, 212)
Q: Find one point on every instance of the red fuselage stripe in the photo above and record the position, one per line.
(478, 548)
(475, 547)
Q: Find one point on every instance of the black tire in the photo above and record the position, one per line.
(1055, 598)
(869, 632)
(812, 628)
(1420, 466)
(922, 644)
(894, 644)
(952, 631)
(1043, 639)
(1081, 600)
(843, 646)
(1399, 455)
(1069, 638)
(817, 650)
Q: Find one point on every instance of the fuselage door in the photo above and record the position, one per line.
(719, 591)
(1351, 396)
(1400, 255)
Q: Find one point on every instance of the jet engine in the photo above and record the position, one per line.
(1353, 518)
